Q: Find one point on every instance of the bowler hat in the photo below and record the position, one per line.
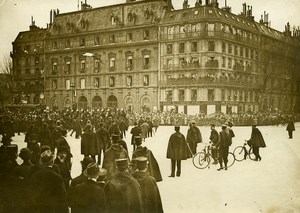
(92, 170)
(213, 125)
(46, 157)
(141, 163)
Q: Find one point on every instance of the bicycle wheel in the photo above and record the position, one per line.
(251, 154)
(239, 153)
(231, 159)
(201, 160)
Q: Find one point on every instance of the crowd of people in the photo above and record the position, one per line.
(111, 180)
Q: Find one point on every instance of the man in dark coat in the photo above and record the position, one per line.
(123, 192)
(89, 196)
(150, 192)
(47, 191)
(223, 144)
(135, 131)
(256, 141)
(116, 151)
(290, 128)
(78, 180)
(177, 151)
(103, 140)
(89, 143)
(214, 138)
(193, 136)
(153, 167)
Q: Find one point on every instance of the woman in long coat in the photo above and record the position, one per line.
(89, 143)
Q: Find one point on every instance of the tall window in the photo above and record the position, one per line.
(211, 95)
(129, 37)
(146, 34)
(82, 42)
(181, 95)
(111, 81)
(67, 43)
(229, 48)
(181, 47)
(67, 67)
(194, 46)
(146, 62)
(169, 48)
(82, 83)
(129, 62)
(223, 47)
(96, 40)
(54, 45)
(82, 65)
(193, 94)
(97, 65)
(146, 80)
(129, 81)
(68, 84)
(112, 63)
(113, 20)
(96, 82)
(54, 68)
(211, 29)
(112, 38)
(211, 46)
(223, 61)
(54, 84)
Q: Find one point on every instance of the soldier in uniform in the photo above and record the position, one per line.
(223, 144)
(123, 192)
(150, 192)
(140, 151)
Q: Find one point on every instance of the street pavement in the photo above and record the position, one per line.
(270, 185)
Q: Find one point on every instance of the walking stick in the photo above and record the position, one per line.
(190, 149)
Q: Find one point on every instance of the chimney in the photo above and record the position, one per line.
(244, 9)
(50, 16)
(185, 4)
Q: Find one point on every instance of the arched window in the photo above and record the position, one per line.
(96, 102)
(112, 101)
(82, 103)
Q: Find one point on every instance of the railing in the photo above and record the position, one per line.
(205, 33)
(206, 81)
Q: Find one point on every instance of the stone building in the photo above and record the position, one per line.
(144, 55)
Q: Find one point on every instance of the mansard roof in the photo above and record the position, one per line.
(208, 13)
(127, 14)
(31, 35)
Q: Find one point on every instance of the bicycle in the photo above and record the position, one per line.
(202, 159)
(241, 152)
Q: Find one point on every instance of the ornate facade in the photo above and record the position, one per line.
(146, 55)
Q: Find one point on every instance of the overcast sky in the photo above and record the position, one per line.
(15, 15)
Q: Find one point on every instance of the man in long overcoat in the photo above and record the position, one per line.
(89, 196)
(150, 192)
(193, 136)
(214, 138)
(103, 140)
(89, 143)
(47, 193)
(153, 167)
(123, 192)
(116, 151)
(223, 144)
(177, 151)
(135, 131)
(256, 141)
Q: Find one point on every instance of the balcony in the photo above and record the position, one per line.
(210, 34)
(208, 80)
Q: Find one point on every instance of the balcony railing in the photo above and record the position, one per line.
(209, 34)
(207, 81)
